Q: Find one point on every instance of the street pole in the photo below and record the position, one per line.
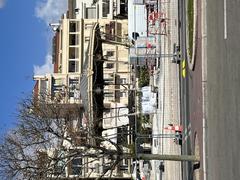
(191, 158)
(124, 115)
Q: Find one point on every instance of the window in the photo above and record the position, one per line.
(123, 81)
(58, 81)
(107, 122)
(43, 87)
(119, 32)
(54, 48)
(110, 31)
(73, 66)
(73, 39)
(105, 8)
(59, 164)
(109, 80)
(73, 83)
(74, 88)
(57, 84)
(73, 26)
(90, 13)
(156, 143)
(125, 161)
(121, 135)
(109, 65)
(73, 53)
(77, 166)
(58, 88)
(110, 53)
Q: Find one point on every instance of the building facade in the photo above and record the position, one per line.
(97, 9)
(76, 57)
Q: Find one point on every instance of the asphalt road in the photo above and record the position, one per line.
(184, 92)
(223, 90)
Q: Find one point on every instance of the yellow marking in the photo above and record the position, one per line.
(183, 63)
(184, 73)
(184, 68)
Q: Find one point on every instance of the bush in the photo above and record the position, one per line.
(190, 26)
(144, 77)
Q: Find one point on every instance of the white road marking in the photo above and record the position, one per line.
(225, 18)
(187, 133)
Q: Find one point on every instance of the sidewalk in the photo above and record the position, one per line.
(166, 78)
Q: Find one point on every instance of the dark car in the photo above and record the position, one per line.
(176, 54)
(178, 138)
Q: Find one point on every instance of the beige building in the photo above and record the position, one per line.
(97, 9)
(90, 58)
(70, 48)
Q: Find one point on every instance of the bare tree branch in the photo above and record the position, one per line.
(49, 137)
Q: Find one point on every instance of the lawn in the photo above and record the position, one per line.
(190, 17)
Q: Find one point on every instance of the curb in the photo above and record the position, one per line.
(204, 84)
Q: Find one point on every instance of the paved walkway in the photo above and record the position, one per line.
(167, 80)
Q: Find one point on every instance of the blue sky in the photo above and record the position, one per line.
(24, 49)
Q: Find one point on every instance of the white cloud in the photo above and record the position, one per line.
(45, 68)
(2, 3)
(50, 10)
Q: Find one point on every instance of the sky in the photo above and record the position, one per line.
(25, 50)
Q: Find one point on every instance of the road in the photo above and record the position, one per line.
(184, 91)
(223, 100)
(223, 87)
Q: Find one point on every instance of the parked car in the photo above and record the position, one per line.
(176, 54)
(178, 138)
(135, 171)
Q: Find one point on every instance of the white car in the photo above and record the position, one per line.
(137, 174)
(135, 170)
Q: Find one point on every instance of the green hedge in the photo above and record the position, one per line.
(144, 76)
(190, 14)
